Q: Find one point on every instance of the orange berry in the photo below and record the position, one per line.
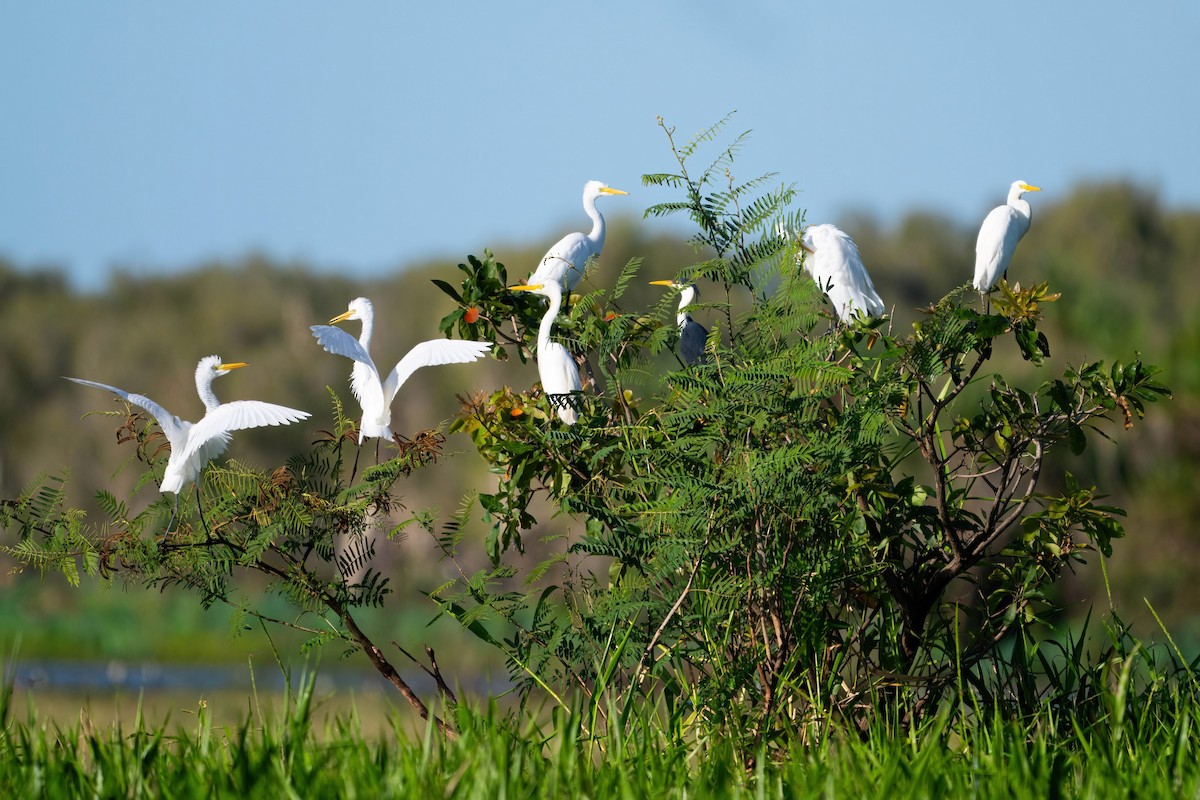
(472, 315)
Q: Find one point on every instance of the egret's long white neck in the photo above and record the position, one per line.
(597, 234)
(554, 296)
(368, 326)
(204, 379)
(1022, 206)
(685, 299)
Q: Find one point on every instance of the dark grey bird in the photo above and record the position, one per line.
(692, 335)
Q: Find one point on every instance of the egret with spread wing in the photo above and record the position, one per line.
(1002, 228)
(692, 335)
(834, 263)
(565, 261)
(195, 444)
(374, 392)
(556, 367)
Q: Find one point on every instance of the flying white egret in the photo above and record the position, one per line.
(373, 392)
(558, 370)
(692, 335)
(195, 444)
(565, 261)
(1002, 228)
(834, 263)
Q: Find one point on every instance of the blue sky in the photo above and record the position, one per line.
(361, 136)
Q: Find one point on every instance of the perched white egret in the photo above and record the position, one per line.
(373, 392)
(195, 444)
(692, 335)
(565, 261)
(1002, 228)
(558, 370)
(834, 263)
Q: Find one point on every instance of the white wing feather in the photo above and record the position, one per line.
(368, 392)
(340, 343)
(1002, 228)
(565, 261)
(837, 267)
(219, 423)
(175, 428)
(430, 354)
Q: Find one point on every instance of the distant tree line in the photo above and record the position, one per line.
(1126, 266)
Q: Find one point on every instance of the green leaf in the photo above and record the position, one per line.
(447, 289)
(1077, 439)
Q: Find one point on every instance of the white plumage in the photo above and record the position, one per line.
(565, 261)
(373, 392)
(834, 263)
(556, 367)
(1002, 228)
(194, 445)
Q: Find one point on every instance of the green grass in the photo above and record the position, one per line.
(1119, 722)
(1145, 751)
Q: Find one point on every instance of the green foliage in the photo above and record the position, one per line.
(486, 305)
(727, 213)
(814, 516)
(51, 538)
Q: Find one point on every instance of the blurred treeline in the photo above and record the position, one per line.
(1127, 269)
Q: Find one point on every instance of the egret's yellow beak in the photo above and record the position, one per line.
(343, 316)
(807, 249)
(531, 288)
(1029, 188)
(663, 283)
(234, 365)
(610, 190)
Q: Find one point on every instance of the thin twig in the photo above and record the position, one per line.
(432, 671)
(649, 650)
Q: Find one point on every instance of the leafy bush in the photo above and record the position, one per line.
(815, 515)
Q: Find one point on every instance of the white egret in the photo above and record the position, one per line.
(195, 444)
(565, 261)
(1002, 228)
(558, 370)
(692, 335)
(834, 263)
(373, 392)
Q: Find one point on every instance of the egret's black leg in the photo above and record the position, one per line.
(200, 508)
(354, 469)
(357, 453)
(174, 513)
(566, 309)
